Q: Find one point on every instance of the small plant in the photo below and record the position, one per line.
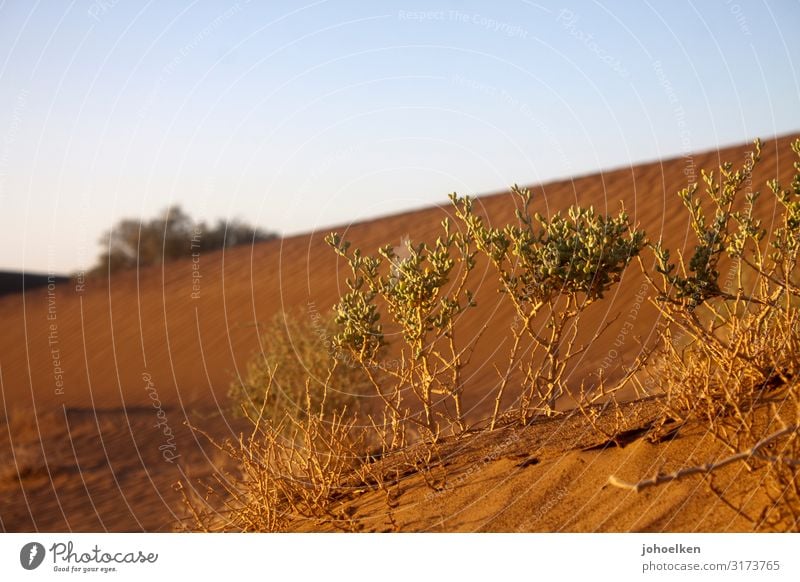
(552, 269)
(297, 359)
(423, 294)
(731, 346)
(290, 467)
(303, 468)
(736, 338)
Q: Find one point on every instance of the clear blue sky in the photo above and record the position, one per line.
(300, 116)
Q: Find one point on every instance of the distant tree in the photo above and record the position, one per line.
(171, 235)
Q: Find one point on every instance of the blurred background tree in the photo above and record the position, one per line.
(171, 235)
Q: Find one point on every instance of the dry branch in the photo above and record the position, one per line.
(752, 452)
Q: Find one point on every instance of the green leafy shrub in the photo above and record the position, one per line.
(739, 329)
(731, 349)
(554, 268)
(423, 294)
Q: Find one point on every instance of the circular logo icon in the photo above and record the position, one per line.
(31, 555)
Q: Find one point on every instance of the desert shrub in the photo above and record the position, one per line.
(547, 268)
(298, 361)
(735, 342)
(301, 467)
(173, 235)
(551, 268)
(423, 295)
(295, 465)
(731, 349)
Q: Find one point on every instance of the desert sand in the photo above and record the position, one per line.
(99, 379)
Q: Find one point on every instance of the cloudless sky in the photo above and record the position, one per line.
(297, 116)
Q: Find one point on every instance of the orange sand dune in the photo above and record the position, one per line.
(93, 359)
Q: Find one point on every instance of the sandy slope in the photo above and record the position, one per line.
(552, 476)
(117, 345)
